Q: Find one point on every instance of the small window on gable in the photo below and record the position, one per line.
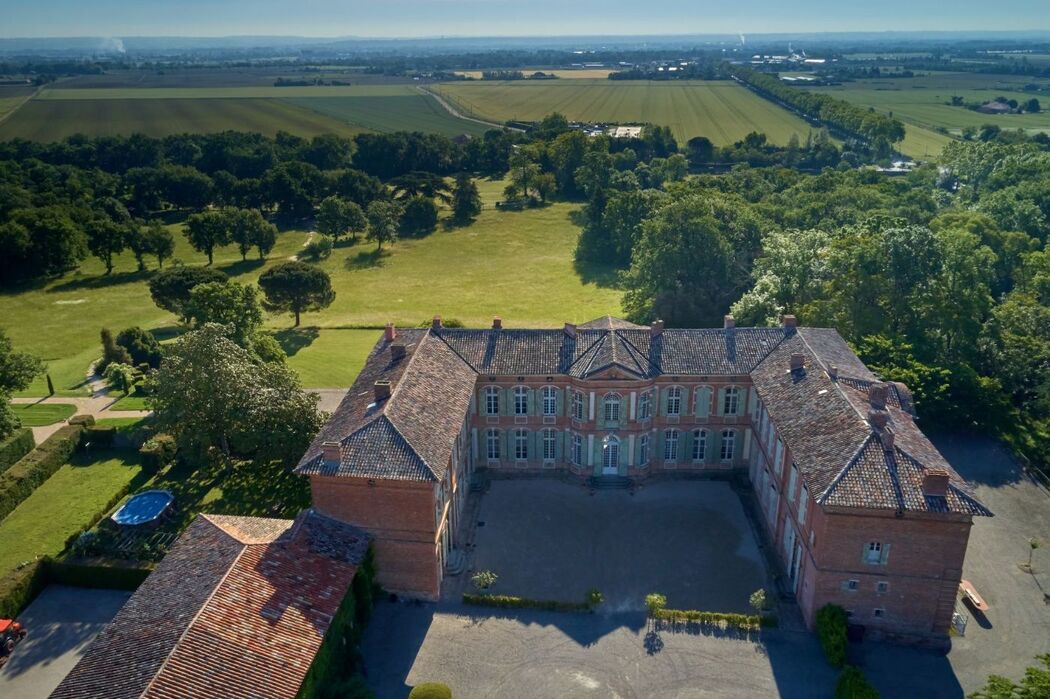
(882, 586)
(873, 553)
(851, 585)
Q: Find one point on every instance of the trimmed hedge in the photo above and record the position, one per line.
(26, 475)
(831, 630)
(512, 602)
(19, 588)
(96, 576)
(82, 420)
(157, 452)
(744, 622)
(430, 690)
(100, 436)
(15, 446)
(852, 684)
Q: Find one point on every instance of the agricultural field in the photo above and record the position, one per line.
(569, 73)
(722, 111)
(514, 264)
(409, 112)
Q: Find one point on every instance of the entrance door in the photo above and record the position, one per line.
(610, 456)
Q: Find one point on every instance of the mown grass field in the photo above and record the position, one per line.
(43, 414)
(67, 502)
(722, 111)
(514, 264)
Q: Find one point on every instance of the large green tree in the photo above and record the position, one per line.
(17, 370)
(466, 201)
(1034, 685)
(383, 222)
(296, 287)
(106, 240)
(207, 231)
(228, 303)
(170, 288)
(337, 217)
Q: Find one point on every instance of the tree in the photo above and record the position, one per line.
(208, 230)
(1034, 685)
(295, 287)
(141, 345)
(170, 289)
(228, 303)
(17, 371)
(414, 184)
(249, 229)
(44, 241)
(112, 353)
(211, 392)
(158, 241)
(545, 185)
(106, 239)
(466, 201)
(1032, 106)
(383, 218)
(419, 216)
(523, 169)
(337, 216)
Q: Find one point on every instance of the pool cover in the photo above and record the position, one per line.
(144, 507)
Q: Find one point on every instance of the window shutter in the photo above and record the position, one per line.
(505, 398)
(885, 554)
(559, 402)
(721, 401)
(658, 454)
(713, 453)
(703, 401)
(531, 401)
(559, 453)
(535, 446)
(663, 401)
(685, 446)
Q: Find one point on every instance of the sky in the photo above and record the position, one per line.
(429, 18)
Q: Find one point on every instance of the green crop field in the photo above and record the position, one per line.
(514, 264)
(410, 112)
(722, 111)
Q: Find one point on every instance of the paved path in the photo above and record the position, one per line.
(62, 621)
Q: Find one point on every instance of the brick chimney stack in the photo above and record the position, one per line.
(436, 323)
(833, 372)
(497, 323)
(382, 390)
(570, 329)
(656, 328)
(331, 452)
(798, 361)
(397, 351)
(877, 393)
(790, 323)
(390, 332)
(886, 437)
(729, 322)
(878, 418)
(935, 482)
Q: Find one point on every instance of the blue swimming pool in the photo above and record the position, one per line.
(144, 508)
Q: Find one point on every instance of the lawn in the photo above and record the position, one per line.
(721, 110)
(514, 264)
(33, 415)
(63, 505)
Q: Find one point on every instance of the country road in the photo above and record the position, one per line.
(459, 115)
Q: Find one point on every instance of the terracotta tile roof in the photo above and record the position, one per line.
(611, 323)
(238, 607)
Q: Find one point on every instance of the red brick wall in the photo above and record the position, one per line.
(400, 515)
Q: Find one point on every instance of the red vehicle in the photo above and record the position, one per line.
(11, 632)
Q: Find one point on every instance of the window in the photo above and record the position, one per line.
(731, 401)
(549, 441)
(674, 400)
(550, 400)
(792, 482)
(851, 585)
(699, 444)
(778, 462)
(643, 450)
(577, 405)
(671, 445)
(610, 452)
(882, 587)
(728, 444)
(803, 503)
(492, 445)
(878, 613)
(521, 400)
(611, 408)
(873, 553)
(521, 445)
(645, 406)
(491, 400)
(577, 449)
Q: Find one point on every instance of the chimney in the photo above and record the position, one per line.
(382, 391)
(390, 333)
(790, 323)
(798, 361)
(397, 351)
(833, 372)
(886, 437)
(935, 482)
(330, 452)
(877, 395)
(497, 323)
(436, 323)
(570, 329)
(656, 328)
(729, 322)
(878, 418)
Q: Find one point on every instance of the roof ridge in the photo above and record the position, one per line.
(415, 451)
(637, 354)
(835, 383)
(845, 469)
(586, 351)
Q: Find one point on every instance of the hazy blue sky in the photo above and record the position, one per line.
(20, 18)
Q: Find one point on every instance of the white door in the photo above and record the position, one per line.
(611, 456)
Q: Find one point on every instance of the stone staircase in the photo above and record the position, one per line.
(596, 483)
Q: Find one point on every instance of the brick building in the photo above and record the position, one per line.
(861, 508)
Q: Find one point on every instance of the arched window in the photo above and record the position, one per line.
(550, 400)
(728, 444)
(610, 452)
(492, 445)
(731, 401)
(643, 450)
(491, 400)
(577, 449)
(611, 407)
(521, 445)
(549, 441)
(674, 400)
(521, 400)
(699, 444)
(671, 445)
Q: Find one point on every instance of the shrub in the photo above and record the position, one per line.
(483, 580)
(82, 420)
(745, 622)
(758, 600)
(99, 436)
(430, 690)
(141, 345)
(853, 684)
(120, 377)
(157, 452)
(15, 446)
(654, 602)
(26, 475)
(831, 630)
(318, 249)
(594, 597)
(112, 353)
(512, 602)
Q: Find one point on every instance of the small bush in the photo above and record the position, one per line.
(26, 475)
(853, 684)
(831, 630)
(15, 446)
(512, 602)
(483, 580)
(141, 346)
(654, 602)
(758, 600)
(594, 597)
(157, 452)
(430, 690)
(121, 377)
(99, 436)
(744, 622)
(318, 249)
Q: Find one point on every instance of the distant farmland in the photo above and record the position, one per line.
(722, 111)
(305, 111)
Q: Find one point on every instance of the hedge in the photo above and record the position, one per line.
(430, 690)
(15, 446)
(82, 420)
(853, 684)
(745, 622)
(157, 452)
(100, 436)
(831, 630)
(96, 576)
(26, 475)
(20, 587)
(511, 602)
